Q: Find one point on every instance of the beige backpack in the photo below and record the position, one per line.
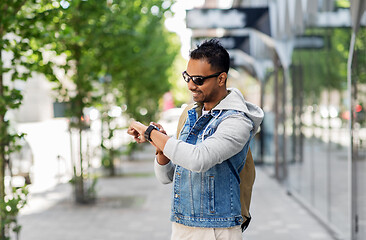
(247, 174)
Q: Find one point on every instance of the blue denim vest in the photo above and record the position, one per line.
(208, 199)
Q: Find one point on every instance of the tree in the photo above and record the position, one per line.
(124, 40)
(138, 54)
(137, 59)
(76, 29)
(18, 58)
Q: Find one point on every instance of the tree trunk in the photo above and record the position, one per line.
(2, 157)
(112, 167)
(78, 111)
(111, 150)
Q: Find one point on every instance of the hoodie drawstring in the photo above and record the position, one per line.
(203, 134)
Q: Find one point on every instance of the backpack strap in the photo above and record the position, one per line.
(247, 177)
(182, 119)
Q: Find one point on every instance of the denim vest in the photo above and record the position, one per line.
(208, 199)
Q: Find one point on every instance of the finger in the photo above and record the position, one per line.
(140, 140)
(133, 132)
(161, 129)
(156, 125)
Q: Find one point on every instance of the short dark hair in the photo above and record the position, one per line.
(214, 53)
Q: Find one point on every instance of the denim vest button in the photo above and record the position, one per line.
(176, 196)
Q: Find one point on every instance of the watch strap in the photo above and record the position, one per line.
(148, 131)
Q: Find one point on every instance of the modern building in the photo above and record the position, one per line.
(309, 60)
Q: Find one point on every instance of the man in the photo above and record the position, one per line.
(205, 162)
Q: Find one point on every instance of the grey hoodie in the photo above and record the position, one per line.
(230, 137)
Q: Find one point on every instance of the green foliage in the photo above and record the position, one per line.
(17, 38)
(342, 3)
(325, 68)
(122, 41)
(138, 55)
(9, 209)
(179, 87)
(359, 61)
(75, 43)
(135, 53)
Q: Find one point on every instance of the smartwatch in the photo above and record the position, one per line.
(149, 130)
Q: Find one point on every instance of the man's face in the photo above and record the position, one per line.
(206, 93)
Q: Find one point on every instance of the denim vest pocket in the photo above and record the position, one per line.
(211, 194)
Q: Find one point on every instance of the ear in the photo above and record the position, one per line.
(222, 79)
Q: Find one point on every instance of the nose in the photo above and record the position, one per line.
(191, 85)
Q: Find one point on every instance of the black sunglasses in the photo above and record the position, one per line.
(198, 80)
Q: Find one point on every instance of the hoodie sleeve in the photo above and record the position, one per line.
(164, 173)
(229, 139)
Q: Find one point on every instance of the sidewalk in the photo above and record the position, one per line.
(277, 216)
(137, 207)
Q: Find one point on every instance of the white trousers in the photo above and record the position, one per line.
(182, 232)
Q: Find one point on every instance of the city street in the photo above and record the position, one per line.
(77, 78)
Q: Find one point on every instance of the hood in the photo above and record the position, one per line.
(235, 101)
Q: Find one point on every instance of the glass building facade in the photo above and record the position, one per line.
(313, 93)
(312, 143)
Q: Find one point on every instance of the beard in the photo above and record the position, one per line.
(197, 96)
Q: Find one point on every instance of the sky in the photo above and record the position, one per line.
(177, 23)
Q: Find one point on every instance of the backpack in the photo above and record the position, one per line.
(247, 175)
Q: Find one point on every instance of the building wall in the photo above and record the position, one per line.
(37, 100)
